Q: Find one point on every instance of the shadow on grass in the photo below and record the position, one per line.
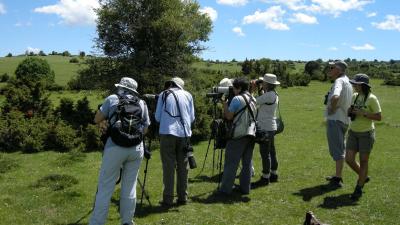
(204, 178)
(338, 201)
(311, 192)
(216, 197)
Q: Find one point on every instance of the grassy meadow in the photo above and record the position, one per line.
(59, 188)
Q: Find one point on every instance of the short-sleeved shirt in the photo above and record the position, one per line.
(266, 117)
(244, 123)
(342, 88)
(110, 105)
(371, 105)
(167, 113)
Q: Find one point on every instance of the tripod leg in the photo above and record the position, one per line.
(144, 192)
(220, 169)
(144, 183)
(205, 157)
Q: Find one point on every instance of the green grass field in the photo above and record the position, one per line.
(63, 69)
(58, 188)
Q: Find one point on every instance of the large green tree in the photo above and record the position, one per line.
(150, 39)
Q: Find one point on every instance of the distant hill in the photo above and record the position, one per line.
(63, 69)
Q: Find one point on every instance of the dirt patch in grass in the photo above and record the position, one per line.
(56, 182)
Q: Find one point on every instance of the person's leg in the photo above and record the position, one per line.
(168, 159)
(364, 157)
(182, 171)
(339, 167)
(233, 154)
(274, 159)
(129, 175)
(247, 155)
(109, 172)
(336, 131)
(351, 160)
(265, 159)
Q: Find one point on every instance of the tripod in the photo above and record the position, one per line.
(147, 155)
(217, 144)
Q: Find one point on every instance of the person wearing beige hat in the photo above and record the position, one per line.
(338, 100)
(175, 113)
(266, 118)
(116, 157)
(365, 109)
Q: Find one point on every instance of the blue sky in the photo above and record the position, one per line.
(276, 29)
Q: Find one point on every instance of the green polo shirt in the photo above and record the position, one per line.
(370, 105)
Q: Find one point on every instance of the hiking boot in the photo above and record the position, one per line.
(336, 182)
(261, 182)
(166, 204)
(357, 192)
(273, 178)
(181, 202)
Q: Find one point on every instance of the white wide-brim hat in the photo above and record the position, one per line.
(226, 82)
(270, 78)
(178, 82)
(128, 83)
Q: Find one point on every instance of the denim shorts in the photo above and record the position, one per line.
(360, 141)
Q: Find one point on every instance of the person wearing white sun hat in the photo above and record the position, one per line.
(266, 118)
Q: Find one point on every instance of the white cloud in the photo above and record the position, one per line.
(33, 50)
(363, 47)
(336, 7)
(238, 31)
(2, 9)
(22, 24)
(360, 29)
(303, 18)
(212, 13)
(294, 5)
(233, 2)
(392, 22)
(333, 48)
(271, 18)
(372, 14)
(73, 12)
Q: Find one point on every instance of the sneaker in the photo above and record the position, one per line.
(261, 182)
(273, 178)
(357, 193)
(336, 182)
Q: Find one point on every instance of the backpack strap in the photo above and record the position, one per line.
(274, 100)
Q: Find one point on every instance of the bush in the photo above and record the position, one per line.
(61, 137)
(74, 60)
(34, 70)
(91, 138)
(4, 78)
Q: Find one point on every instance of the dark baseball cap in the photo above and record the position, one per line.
(360, 79)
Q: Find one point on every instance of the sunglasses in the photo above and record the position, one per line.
(332, 67)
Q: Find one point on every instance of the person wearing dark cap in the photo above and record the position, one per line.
(175, 113)
(365, 109)
(337, 103)
(116, 157)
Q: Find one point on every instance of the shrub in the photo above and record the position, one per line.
(61, 137)
(91, 138)
(4, 78)
(34, 70)
(74, 60)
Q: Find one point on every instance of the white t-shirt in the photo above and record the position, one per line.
(267, 112)
(342, 88)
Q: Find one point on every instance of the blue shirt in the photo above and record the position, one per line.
(167, 113)
(110, 105)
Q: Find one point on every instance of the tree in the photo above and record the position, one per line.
(66, 53)
(9, 54)
(152, 38)
(82, 54)
(33, 70)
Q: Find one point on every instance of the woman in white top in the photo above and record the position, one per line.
(266, 118)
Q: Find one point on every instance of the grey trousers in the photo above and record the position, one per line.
(268, 154)
(173, 157)
(113, 159)
(236, 150)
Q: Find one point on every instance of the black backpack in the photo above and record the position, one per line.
(125, 131)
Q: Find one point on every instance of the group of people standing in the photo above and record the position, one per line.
(350, 108)
(175, 113)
